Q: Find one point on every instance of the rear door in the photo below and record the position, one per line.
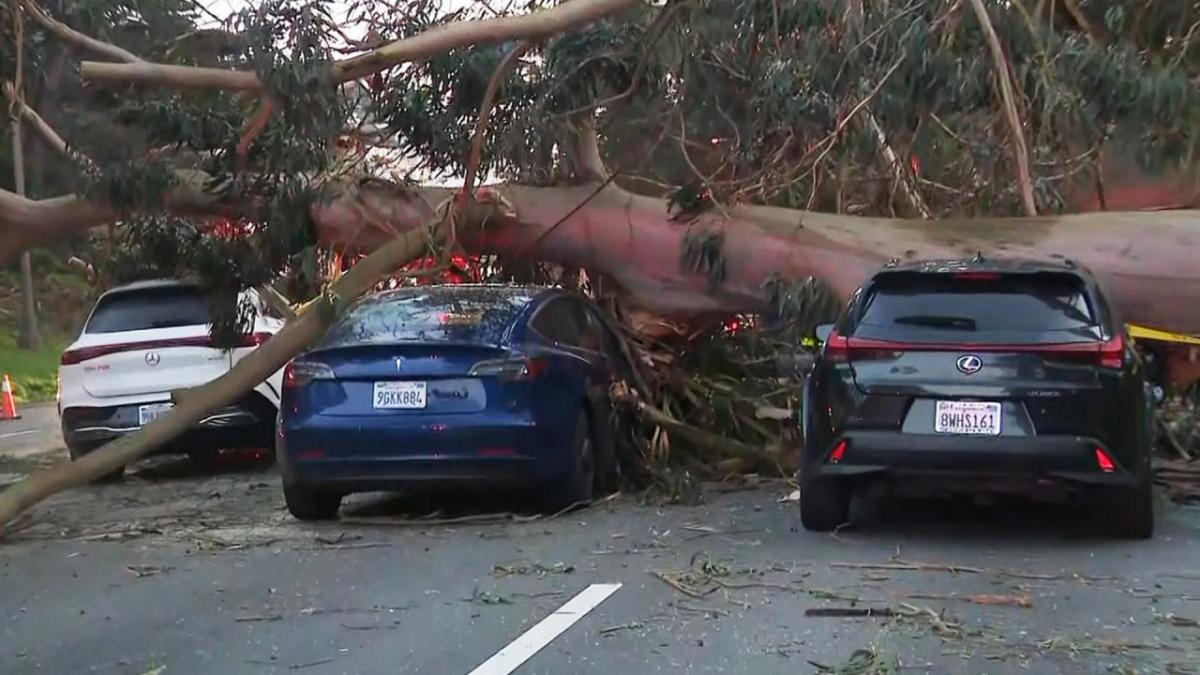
(979, 353)
(147, 341)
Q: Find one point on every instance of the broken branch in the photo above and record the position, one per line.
(439, 40)
(1004, 81)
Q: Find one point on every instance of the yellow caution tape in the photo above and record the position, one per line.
(1144, 333)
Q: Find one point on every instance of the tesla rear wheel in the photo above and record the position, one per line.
(306, 504)
(113, 476)
(579, 482)
(824, 504)
(1131, 514)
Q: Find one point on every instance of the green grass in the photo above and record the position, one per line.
(33, 374)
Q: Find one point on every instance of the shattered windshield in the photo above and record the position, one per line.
(430, 314)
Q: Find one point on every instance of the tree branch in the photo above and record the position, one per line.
(1004, 79)
(433, 42)
(43, 129)
(896, 167)
(1081, 20)
(485, 112)
(589, 164)
(68, 34)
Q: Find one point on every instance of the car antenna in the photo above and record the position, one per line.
(978, 257)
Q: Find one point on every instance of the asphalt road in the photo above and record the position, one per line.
(172, 572)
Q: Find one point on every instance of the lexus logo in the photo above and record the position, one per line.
(152, 358)
(968, 364)
(399, 362)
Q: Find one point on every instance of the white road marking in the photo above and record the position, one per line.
(18, 433)
(533, 640)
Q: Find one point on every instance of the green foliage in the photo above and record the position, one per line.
(700, 253)
(34, 374)
(745, 96)
(798, 306)
(763, 101)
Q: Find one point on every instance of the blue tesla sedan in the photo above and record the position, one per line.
(485, 386)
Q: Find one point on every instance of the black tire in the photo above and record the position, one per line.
(77, 451)
(824, 503)
(306, 504)
(578, 484)
(1131, 512)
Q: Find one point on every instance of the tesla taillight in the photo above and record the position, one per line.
(511, 370)
(300, 373)
(1104, 461)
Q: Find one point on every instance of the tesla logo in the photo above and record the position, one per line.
(969, 364)
(152, 358)
(399, 362)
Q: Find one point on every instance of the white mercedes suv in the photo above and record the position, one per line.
(141, 342)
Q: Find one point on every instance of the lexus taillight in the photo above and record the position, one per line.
(300, 373)
(511, 370)
(1112, 353)
(839, 451)
(837, 348)
(1109, 354)
(840, 349)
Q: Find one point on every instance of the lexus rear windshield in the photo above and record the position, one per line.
(147, 308)
(434, 314)
(1028, 308)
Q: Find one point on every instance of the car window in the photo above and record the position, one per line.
(433, 314)
(596, 337)
(980, 308)
(146, 308)
(562, 321)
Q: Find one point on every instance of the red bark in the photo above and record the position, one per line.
(1145, 259)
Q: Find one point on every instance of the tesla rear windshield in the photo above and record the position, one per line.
(982, 308)
(432, 314)
(146, 308)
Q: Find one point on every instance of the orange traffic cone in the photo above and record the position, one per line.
(8, 405)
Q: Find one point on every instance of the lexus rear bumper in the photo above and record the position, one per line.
(880, 453)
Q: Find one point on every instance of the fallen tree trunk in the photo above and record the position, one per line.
(1145, 259)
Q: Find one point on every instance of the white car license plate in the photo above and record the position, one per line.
(968, 418)
(150, 412)
(399, 395)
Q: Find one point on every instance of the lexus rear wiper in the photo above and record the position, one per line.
(937, 321)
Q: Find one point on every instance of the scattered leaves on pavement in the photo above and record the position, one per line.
(536, 568)
(862, 662)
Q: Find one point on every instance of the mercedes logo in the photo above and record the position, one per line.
(152, 358)
(969, 364)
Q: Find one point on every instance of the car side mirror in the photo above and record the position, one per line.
(823, 331)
